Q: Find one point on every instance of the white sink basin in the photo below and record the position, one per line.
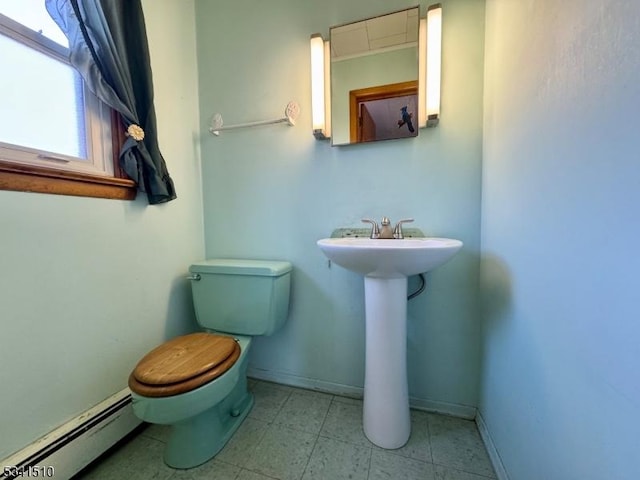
(386, 264)
(383, 258)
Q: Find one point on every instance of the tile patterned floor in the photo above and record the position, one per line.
(295, 434)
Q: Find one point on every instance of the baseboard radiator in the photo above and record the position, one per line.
(68, 449)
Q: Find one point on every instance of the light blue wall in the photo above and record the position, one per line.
(560, 229)
(271, 192)
(87, 286)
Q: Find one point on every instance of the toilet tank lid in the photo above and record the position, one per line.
(268, 268)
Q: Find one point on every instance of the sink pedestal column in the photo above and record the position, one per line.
(386, 395)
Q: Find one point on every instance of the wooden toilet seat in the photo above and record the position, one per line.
(183, 364)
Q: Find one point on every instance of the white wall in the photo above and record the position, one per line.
(87, 286)
(272, 192)
(560, 227)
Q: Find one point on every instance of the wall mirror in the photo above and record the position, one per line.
(374, 78)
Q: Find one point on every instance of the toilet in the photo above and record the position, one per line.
(197, 383)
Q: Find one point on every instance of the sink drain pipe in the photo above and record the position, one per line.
(421, 289)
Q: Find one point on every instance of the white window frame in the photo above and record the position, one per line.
(97, 117)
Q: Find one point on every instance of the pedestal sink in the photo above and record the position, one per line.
(386, 264)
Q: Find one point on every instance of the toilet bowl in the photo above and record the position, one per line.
(203, 419)
(197, 383)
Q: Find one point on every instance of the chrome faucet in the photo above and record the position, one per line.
(397, 232)
(375, 231)
(386, 231)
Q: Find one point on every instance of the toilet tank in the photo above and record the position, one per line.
(246, 297)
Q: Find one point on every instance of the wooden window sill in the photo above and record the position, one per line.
(27, 178)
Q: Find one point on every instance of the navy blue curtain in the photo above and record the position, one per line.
(108, 44)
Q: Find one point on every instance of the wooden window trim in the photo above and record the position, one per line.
(29, 178)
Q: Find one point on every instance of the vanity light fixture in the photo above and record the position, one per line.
(430, 66)
(320, 90)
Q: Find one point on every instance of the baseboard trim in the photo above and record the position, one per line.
(494, 456)
(304, 382)
(72, 446)
(452, 409)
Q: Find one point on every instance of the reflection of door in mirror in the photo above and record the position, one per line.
(367, 126)
(373, 55)
(384, 112)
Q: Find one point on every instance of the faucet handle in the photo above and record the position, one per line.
(375, 231)
(397, 232)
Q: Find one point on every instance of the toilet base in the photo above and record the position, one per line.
(197, 439)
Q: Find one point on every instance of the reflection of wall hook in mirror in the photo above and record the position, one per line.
(291, 112)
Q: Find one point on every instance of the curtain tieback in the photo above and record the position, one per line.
(136, 132)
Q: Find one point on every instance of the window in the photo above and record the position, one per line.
(55, 135)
